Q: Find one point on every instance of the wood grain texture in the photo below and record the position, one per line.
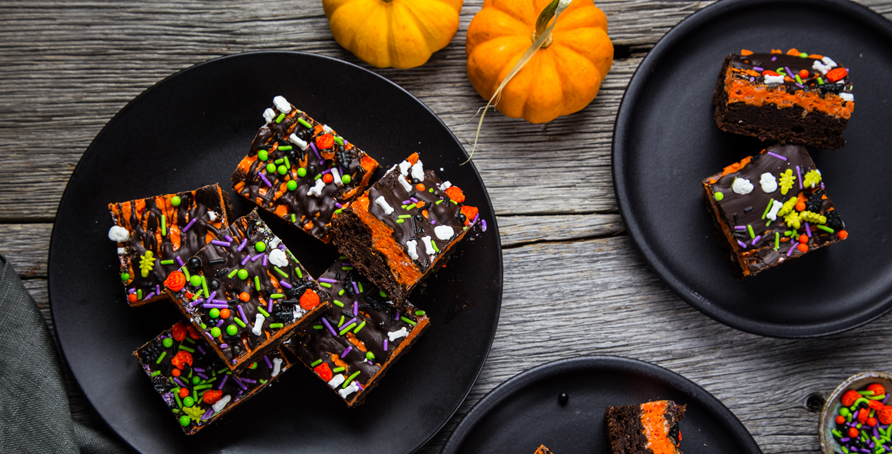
(69, 66)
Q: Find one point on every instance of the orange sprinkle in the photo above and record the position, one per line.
(224, 313)
(793, 51)
(800, 206)
(327, 178)
(803, 239)
(244, 296)
(419, 187)
(843, 234)
(745, 52)
(803, 74)
(803, 247)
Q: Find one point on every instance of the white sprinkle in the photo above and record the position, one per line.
(404, 168)
(404, 183)
(418, 171)
(410, 247)
(775, 206)
(269, 115)
(118, 234)
(258, 325)
(446, 185)
(350, 389)
(316, 191)
(277, 367)
(278, 258)
(212, 216)
(326, 128)
(274, 243)
(121, 251)
(847, 97)
(769, 79)
(829, 62)
(821, 67)
(394, 335)
(336, 381)
(443, 232)
(768, 182)
(221, 404)
(282, 104)
(383, 204)
(336, 176)
(297, 141)
(428, 247)
(742, 186)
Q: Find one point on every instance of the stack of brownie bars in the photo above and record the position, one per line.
(772, 208)
(250, 308)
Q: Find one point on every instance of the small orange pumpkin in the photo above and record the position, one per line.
(561, 78)
(393, 33)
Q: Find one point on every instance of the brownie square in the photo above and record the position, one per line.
(246, 292)
(302, 170)
(644, 429)
(359, 337)
(543, 450)
(790, 98)
(771, 208)
(156, 235)
(403, 228)
(193, 381)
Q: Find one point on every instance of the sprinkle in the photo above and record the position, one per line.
(739, 227)
(410, 321)
(257, 282)
(239, 383)
(358, 328)
(245, 260)
(276, 325)
(325, 279)
(742, 244)
(285, 284)
(768, 208)
(242, 313)
(277, 296)
(758, 68)
(356, 288)
(776, 240)
(228, 238)
(792, 248)
(160, 358)
(167, 262)
(808, 230)
(328, 325)
(338, 303)
(749, 228)
(242, 245)
(256, 257)
(313, 146)
(265, 181)
(799, 172)
(773, 58)
(239, 321)
(189, 225)
(268, 363)
(163, 225)
(771, 153)
(304, 123)
(281, 273)
(825, 228)
(183, 347)
(180, 262)
(346, 351)
(177, 380)
(356, 307)
(212, 305)
(337, 369)
(350, 379)
(385, 345)
(232, 273)
(325, 284)
(265, 260)
(221, 243)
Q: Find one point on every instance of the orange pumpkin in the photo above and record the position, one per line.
(561, 78)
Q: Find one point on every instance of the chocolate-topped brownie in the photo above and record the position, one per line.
(772, 208)
(359, 337)
(543, 450)
(246, 292)
(302, 170)
(649, 428)
(156, 235)
(791, 98)
(194, 383)
(402, 229)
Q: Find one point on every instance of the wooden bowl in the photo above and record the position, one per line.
(857, 382)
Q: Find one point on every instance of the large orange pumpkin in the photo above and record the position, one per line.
(561, 78)
(393, 33)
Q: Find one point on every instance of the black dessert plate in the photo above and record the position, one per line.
(525, 411)
(666, 141)
(192, 129)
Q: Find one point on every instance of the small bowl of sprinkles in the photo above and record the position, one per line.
(857, 418)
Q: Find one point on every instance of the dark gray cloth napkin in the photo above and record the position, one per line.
(34, 412)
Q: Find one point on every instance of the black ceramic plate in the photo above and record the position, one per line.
(524, 412)
(666, 141)
(192, 129)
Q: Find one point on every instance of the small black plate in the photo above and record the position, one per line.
(525, 412)
(666, 141)
(192, 129)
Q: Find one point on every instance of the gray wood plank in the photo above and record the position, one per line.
(26, 247)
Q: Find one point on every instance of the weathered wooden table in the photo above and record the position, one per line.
(67, 67)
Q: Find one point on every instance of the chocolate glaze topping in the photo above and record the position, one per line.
(790, 65)
(378, 317)
(145, 231)
(212, 376)
(280, 290)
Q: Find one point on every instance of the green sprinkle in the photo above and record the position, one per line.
(158, 361)
(293, 218)
(718, 196)
(281, 273)
(192, 341)
(300, 275)
(279, 161)
(257, 283)
(304, 122)
(341, 293)
(803, 55)
(341, 322)
(350, 379)
(262, 381)
(419, 313)
(438, 202)
(776, 240)
(358, 328)
(263, 155)
(185, 273)
(434, 244)
(820, 81)
(156, 373)
(400, 221)
(337, 369)
(403, 318)
(339, 211)
(749, 229)
(347, 328)
(316, 363)
(798, 79)
(285, 147)
(318, 326)
(265, 313)
(359, 284)
(880, 397)
(200, 387)
(325, 284)
(338, 303)
(453, 202)
(204, 286)
(403, 216)
(163, 225)
(180, 404)
(276, 296)
(346, 268)
(238, 322)
(410, 206)
(768, 208)
(346, 179)
(280, 118)
(276, 325)
(176, 201)
(190, 350)
(381, 292)
(788, 233)
(370, 356)
(339, 140)
(232, 273)
(287, 162)
(167, 262)
(125, 276)
(242, 274)
(825, 228)
(139, 293)
(167, 342)
(301, 172)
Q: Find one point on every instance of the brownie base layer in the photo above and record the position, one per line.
(625, 431)
(786, 125)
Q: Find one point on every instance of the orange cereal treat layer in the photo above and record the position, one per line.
(404, 227)
(302, 170)
(649, 428)
(791, 97)
(157, 235)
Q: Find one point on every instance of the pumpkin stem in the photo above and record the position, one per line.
(540, 37)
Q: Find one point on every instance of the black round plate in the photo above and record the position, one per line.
(192, 129)
(524, 412)
(666, 141)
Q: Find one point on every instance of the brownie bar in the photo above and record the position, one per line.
(543, 450)
(301, 170)
(771, 208)
(194, 383)
(246, 292)
(791, 98)
(353, 344)
(648, 428)
(403, 228)
(156, 235)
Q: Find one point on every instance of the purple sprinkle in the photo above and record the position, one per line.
(340, 170)
(221, 243)
(433, 221)
(771, 153)
(413, 199)
(807, 230)
(338, 205)
(328, 325)
(799, 172)
(313, 146)
(348, 350)
(385, 345)
(327, 280)
(350, 322)
(322, 162)
(752, 79)
(208, 334)
(242, 245)
(265, 181)
(245, 260)
(203, 376)
(822, 185)
(158, 289)
(844, 439)
(355, 287)
(208, 413)
(742, 244)
(201, 350)
(792, 247)
(133, 290)
(213, 306)
(196, 302)
(218, 301)
(756, 239)
(356, 309)
(758, 68)
(239, 383)
(265, 260)
(213, 294)
(773, 58)
(228, 238)
(149, 295)
(396, 315)
(256, 257)
(248, 380)
(407, 202)
(282, 247)
(346, 264)
(223, 381)
(242, 313)
(186, 229)
(177, 380)
(224, 345)
(198, 369)
(220, 323)
(268, 362)
(269, 305)
(325, 171)
(284, 284)
(800, 85)
(739, 227)
(483, 224)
